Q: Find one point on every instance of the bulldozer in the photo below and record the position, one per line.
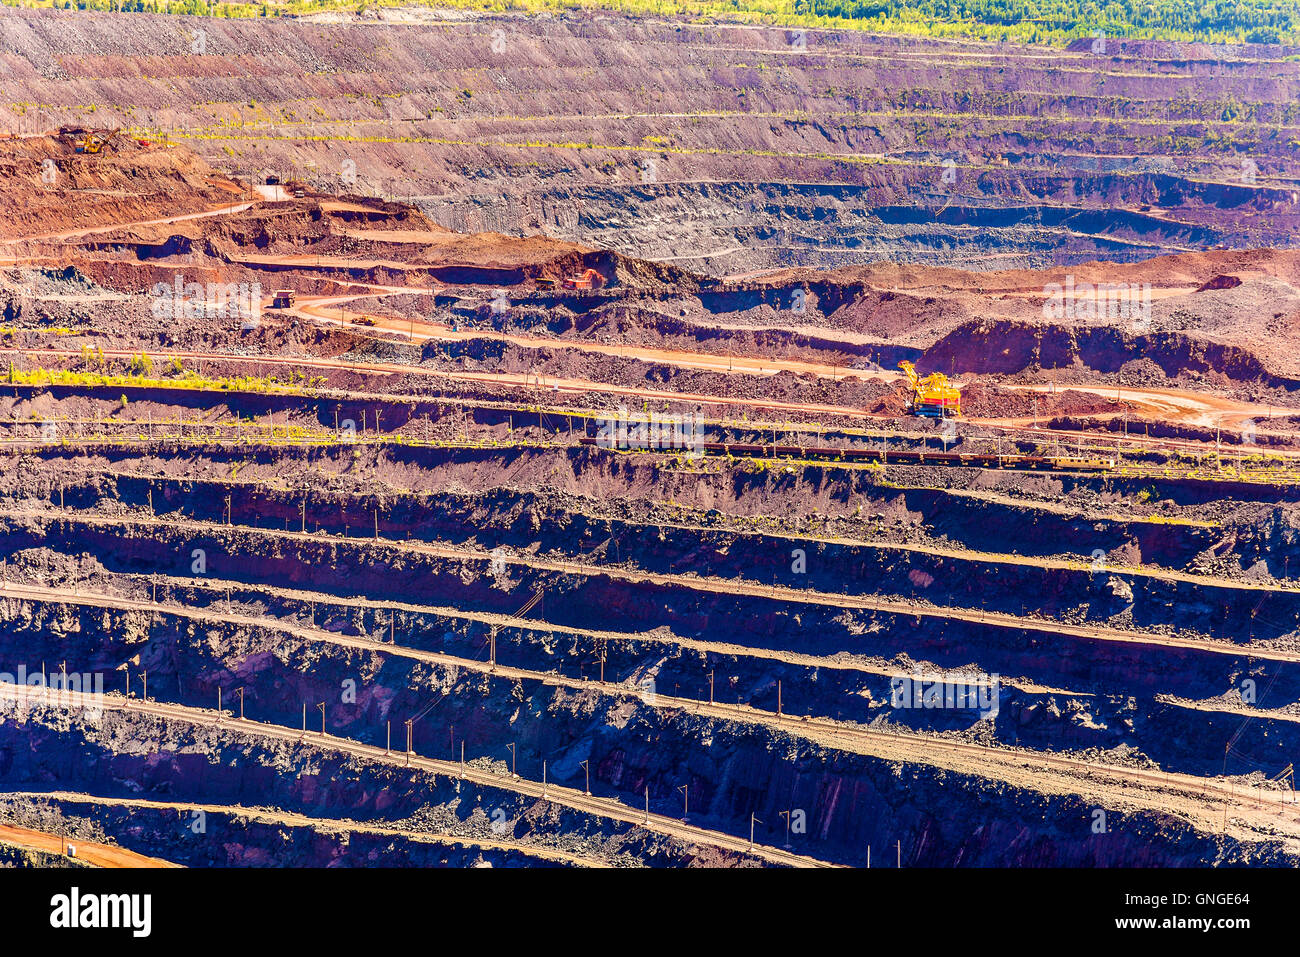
(932, 396)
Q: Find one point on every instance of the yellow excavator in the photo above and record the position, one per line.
(96, 140)
(932, 396)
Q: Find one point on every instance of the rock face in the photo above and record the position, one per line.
(1120, 590)
(1220, 282)
(715, 148)
(389, 502)
(1061, 693)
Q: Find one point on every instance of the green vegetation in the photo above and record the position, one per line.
(139, 376)
(1034, 21)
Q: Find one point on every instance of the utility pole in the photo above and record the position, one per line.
(513, 775)
(686, 800)
(322, 718)
(752, 820)
(710, 686)
(144, 680)
(586, 767)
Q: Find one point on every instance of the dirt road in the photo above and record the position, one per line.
(1194, 406)
(321, 824)
(610, 808)
(69, 234)
(100, 855)
(1209, 804)
(1173, 405)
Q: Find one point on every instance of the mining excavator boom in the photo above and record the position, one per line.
(932, 396)
(587, 279)
(93, 140)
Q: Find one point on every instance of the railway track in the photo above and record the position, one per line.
(265, 437)
(701, 584)
(1173, 793)
(325, 825)
(535, 381)
(913, 746)
(609, 808)
(1071, 463)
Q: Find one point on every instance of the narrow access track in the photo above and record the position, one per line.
(323, 825)
(609, 808)
(537, 381)
(692, 582)
(1190, 796)
(100, 855)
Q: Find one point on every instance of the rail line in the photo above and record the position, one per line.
(609, 808)
(284, 437)
(720, 586)
(908, 746)
(373, 646)
(557, 384)
(884, 456)
(326, 825)
(236, 590)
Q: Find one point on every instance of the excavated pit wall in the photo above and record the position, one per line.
(1105, 692)
(1099, 592)
(850, 801)
(232, 840)
(394, 571)
(49, 749)
(1258, 525)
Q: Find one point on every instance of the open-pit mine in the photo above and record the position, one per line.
(590, 441)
